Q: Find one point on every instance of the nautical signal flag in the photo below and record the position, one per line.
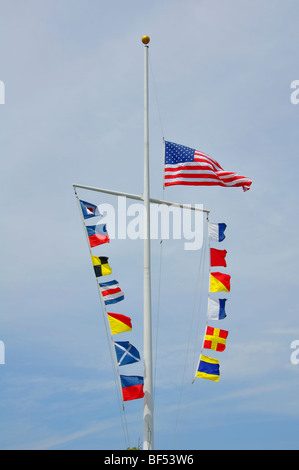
(89, 210)
(132, 387)
(126, 353)
(216, 232)
(215, 339)
(216, 309)
(101, 266)
(111, 292)
(187, 166)
(97, 234)
(208, 368)
(219, 282)
(218, 257)
(119, 323)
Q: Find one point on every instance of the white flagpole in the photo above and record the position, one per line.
(148, 403)
(140, 198)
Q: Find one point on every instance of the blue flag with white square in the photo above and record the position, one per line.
(89, 210)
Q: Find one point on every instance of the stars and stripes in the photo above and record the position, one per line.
(187, 166)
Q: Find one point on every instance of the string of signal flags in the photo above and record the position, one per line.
(190, 167)
(125, 352)
(111, 294)
(215, 338)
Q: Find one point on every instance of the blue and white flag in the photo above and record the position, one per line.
(89, 210)
(216, 309)
(111, 292)
(126, 353)
(216, 232)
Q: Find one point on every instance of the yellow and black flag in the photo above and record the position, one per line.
(101, 266)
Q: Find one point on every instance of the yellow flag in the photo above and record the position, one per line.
(101, 266)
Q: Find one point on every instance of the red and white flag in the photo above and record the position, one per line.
(187, 166)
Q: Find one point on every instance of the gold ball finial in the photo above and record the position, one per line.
(145, 39)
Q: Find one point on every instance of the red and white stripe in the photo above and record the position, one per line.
(204, 171)
(112, 292)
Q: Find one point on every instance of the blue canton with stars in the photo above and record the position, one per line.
(176, 153)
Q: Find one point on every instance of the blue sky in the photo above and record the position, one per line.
(73, 113)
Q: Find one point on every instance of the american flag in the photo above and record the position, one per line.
(187, 166)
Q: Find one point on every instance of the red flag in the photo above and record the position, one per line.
(218, 257)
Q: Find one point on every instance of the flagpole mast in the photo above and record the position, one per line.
(148, 404)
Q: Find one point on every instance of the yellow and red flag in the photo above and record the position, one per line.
(219, 282)
(215, 339)
(119, 323)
